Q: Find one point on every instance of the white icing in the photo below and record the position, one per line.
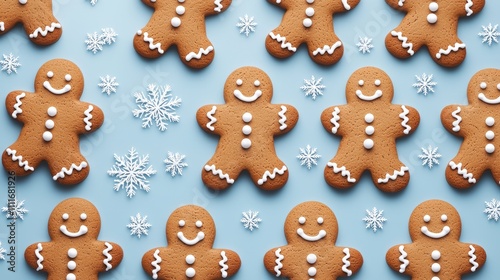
(180, 10)
(49, 124)
(71, 265)
(435, 267)
(219, 172)
(210, 116)
(307, 22)
(435, 235)
(256, 83)
(190, 259)
(311, 271)
(311, 238)
(302, 220)
(50, 74)
(39, 256)
(108, 258)
(433, 6)
(282, 116)
(394, 176)
(223, 264)
(463, 172)
(468, 9)
(47, 136)
(308, 1)
(24, 164)
(245, 98)
(436, 255)
(369, 118)
(64, 171)
(239, 82)
(345, 172)
(2, 26)
(18, 104)
(182, 223)
(247, 130)
(377, 82)
(279, 265)
(82, 231)
(311, 258)
(270, 175)
(327, 49)
(473, 258)
(67, 77)
(458, 119)
(402, 259)
(190, 272)
(444, 218)
(70, 276)
(175, 22)
(247, 117)
(404, 117)
(404, 41)
(199, 237)
(150, 40)
(369, 130)
(65, 216)
(432, 18)
(368, 144)
(63, 90)
(310, 11)
(361, 82)
(88, 117)
(52, 111)
(334, 120)
(490, 135)
(246, 143)
(427, 218)
(320, 220)
(485, 99)
(219, 6)
(346, 5)
(198, 224)
(346, 262)
(282, 40)
(45, 30)
(377, 94)
(72, 253)
(156, 263)
(490, 121)
(435, 278)
(489, 148)
(200, 52)
(450, 48)
(483, 85)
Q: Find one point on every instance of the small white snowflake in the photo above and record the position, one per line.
(308, 156)
(158, 106)
(15, 209)
(93, 2)
(108, 35)
(94, 42)
(365, 44)
(492, 209)
(10, 63)
(2, 252)
(424, 84)
(108, 84)
(430, 156)
(250, 220)
(139, 225)
(246, 25)
(489, 34)
(374, 219)
(175, 163)
(313, 87)
(131, 172)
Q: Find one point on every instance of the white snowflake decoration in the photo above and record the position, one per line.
(250, 220)
(246, 25)
(108, 35)
(158, 106)
(108, 84)
(424, 84)
(139, 225)
(94, 42)
(15, 209)
(308, 156)
(10, 63)
(2, 252)
(492, 209)
(489, 34)
(429, 156)
(131, 172)
(364, 45)
(374, 219)
(175, 163)
(313, 87)
(93, 2)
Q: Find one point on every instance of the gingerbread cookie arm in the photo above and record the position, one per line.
(287, 117)
(227, 262)
(274, 261)
(452, 118)
(351, 260)
(44, 28)
(470, 7)
(36, 256)
(331, 120)
(152, 262)
(214, 7)
(397, 259)
(409, 120)
(18, 102)
(111, 255)
(207, 118)
(474, 255)
(92, 117)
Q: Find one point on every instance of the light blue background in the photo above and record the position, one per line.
(122, 131)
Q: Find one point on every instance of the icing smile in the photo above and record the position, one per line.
(63, 90)
(83, 230)
(307, 237)
(361, 96)
(485, 99)
(199, 237)
(244, 98)
(443, 233)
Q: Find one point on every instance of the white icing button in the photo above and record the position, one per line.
(377, 82)
(198, 224)
(489, 148)
(72, 253)
(433, 6)
(176, 22)
(71, 265)
(65, 216)
(310, 12)
(302, 220)
(310, 1)
(436, 255)
(307, 22)
(47, 136)
(361, 82)
(71, 276)
(369, 118)
(246, 143)
(190, 259)
(247, 130)
(311, 271)
(52, 111)
(490, 121)
(432, 18)
(435, 278)
(490, 135)
(368, 144)
(49, 124)
(435, 267)
(182, 223)
(23, 1)
(239, 82)
(311, 258)
(190, 272)
(180, 1)
(369, 130)
(427, 218)
(483, 85)
(180, 10)
(247, 117)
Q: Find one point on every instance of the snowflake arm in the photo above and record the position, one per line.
(313, 87)
(364, 45)
(246, 25)
(429, 156)
(93, 2)
(424, 84)
(10, 63)
(308, 156)
(374, 219)
(158, 106)
(251, 220)
(15, 209)
(94, 42)
(2, 252)
(489, 34)
(175, 163)
(139, 225)
(492, 209)
(108, 84)
(108, 35)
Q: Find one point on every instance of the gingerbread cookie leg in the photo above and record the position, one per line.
(197, 51)
(282, 43)
(400, 44)
(219, 174)
(461, 173)
(71, 169)
(150, 41)
(325, 48)
(21, 161)
(341, 173)
(269, 176)
(451, 54)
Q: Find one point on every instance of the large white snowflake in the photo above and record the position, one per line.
(94, 42)
(175, 163)
(250, 220)
(10, 63)
(374, 219)
(15, 209)
(131, 172)
(424, 84)
(429, 156)
(158, 106)
(308, 156)
(139, 225)
(489, 34)
(364, 45)
(246, 25)
(313, 87)
(492, 209)
(108, 35)
(108, 84)
(2, 252)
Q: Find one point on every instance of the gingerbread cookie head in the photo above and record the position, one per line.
(59, 78)
(371, 85)
(74, 218)
(435, 219)
(191, 225)
(248, 85)
(484, 88)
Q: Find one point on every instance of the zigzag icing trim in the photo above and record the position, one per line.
(279, 265)
(223, 264)
(211, 118)
(282, 120)
(327, 49)
(345, 172)
(219, 172)
(462, 172)
(334, 120)
(39, 256)
(282, 40)
(473, 258)
(150, 40)
(23, 164)
(88, 117)
(346, 262)
(219, 6)
(468, 9)
(346, 5)
(402, 258)
(45, 30)
(270, 175)
(449, 49)
(155, 264)
(394, 176)
(404, 41)
(404, 117)
(202, 51)
(401, 2)
(64, 171)
(2, 26)
(456, 126)
(18, 104)
(108, 258)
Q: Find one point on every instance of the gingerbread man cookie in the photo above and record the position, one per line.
(180, 23)
(247, 124)
(36, 16)
(74, 251)
(311, 231)
(190, 237)
(309, 22)
(53, 118)
(476, 123)
(434, 24)
(369, 125)
(436, 252)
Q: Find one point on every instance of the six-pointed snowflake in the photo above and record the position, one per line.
(492, 209)
(313, 87)
(108, 84)
(175, 163)
(374, 219)
(10, 63)
(158, 106)
(93, 2)
(246, 25)
(131, 172)
(2, 252)
(429, 156)
(424, 84)
(108, 35)
(364, 45)
(308, 156)
(15, 209)
(489, 34)
(250, 219)
(139, 225)
(94, 42)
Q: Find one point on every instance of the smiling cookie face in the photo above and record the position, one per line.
(60, 77)
(484, 87)
(190, 226)
(248, 85)
(74, 218)
(435, 219)
(370, 84)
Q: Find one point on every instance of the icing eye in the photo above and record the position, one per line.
(377, 82)
(50, 74)
(67, 77)
(320, 220)
(182, 223)
(498, 86)
(83, 216)
(239, 82)
(483, 85)
(427, 218)
(256, 83)
(65, 216)
(199, 224)
(302, 220)
(444, 218)
(361, 82)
